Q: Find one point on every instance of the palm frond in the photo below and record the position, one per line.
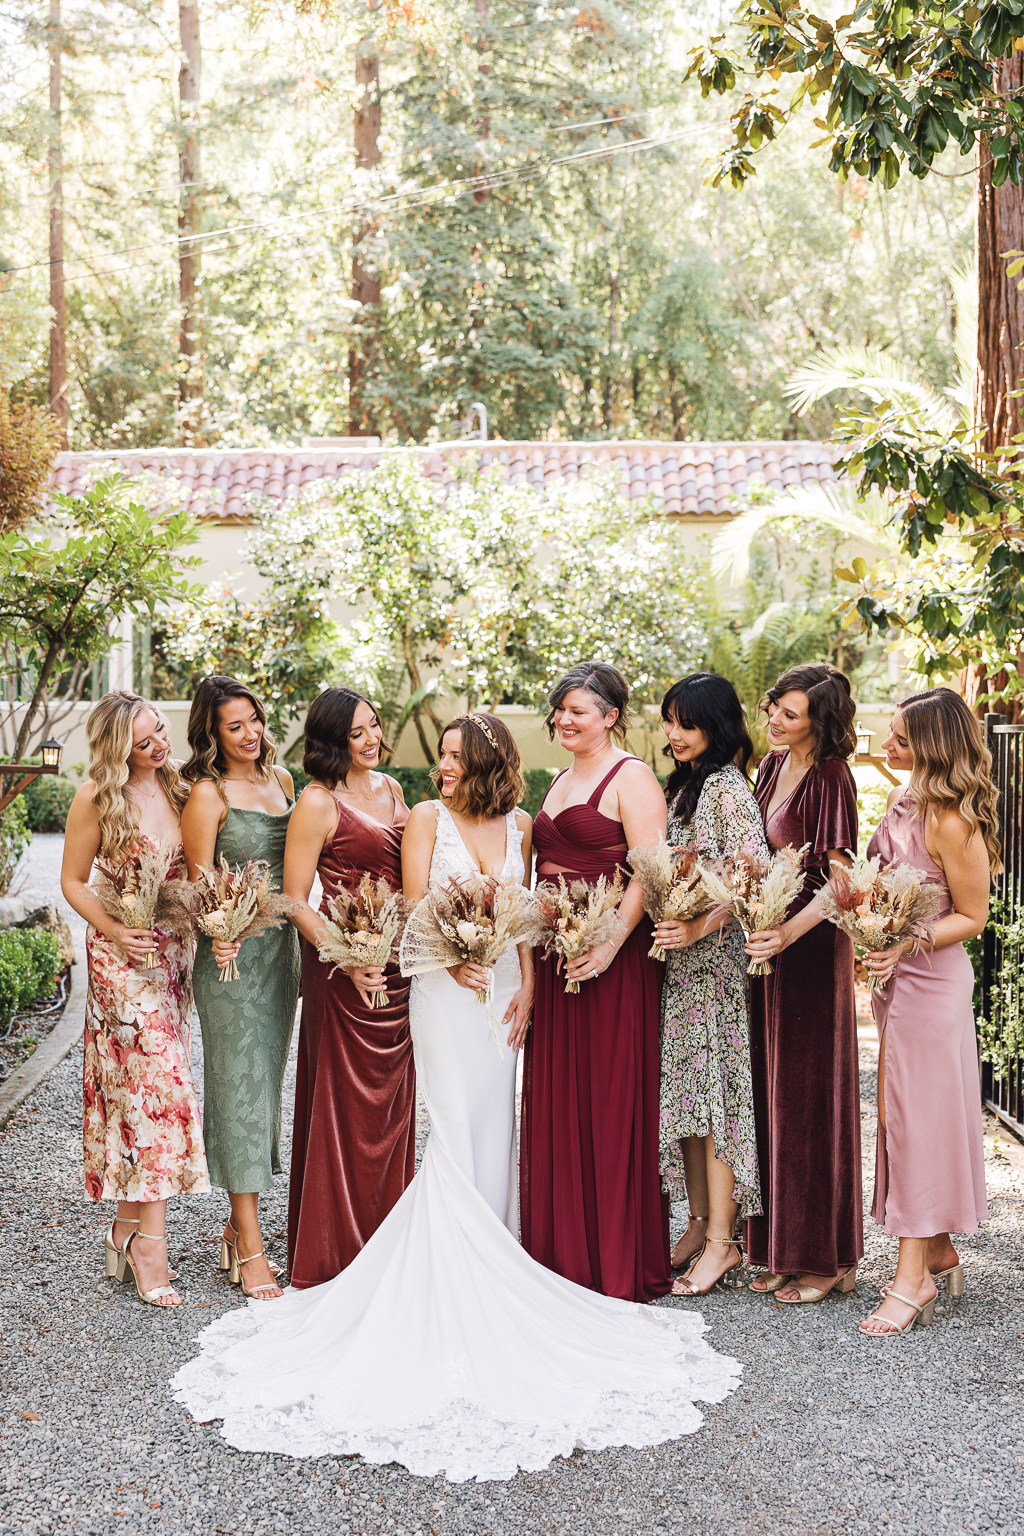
(836, 506)
(876, 374)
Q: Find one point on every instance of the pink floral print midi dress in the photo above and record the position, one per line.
(143, 1135)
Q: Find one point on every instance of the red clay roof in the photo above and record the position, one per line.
(695, 479)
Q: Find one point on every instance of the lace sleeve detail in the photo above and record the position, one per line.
(514, 867)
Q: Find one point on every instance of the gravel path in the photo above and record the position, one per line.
(829, 1434)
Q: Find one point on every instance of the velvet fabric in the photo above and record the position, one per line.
(354, 1142)
(927, 1183)
(803, 1048)
(591, 1206)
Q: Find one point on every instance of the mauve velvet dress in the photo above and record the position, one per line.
(354, 1137)
(930, 1159)
(591, 1206)
(803, 1051)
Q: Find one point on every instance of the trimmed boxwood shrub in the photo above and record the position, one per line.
(47, 801)
(29, 966)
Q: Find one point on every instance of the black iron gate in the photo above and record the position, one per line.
(1002, 1080)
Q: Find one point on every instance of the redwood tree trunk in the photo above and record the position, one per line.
(999, 228)
(365, 285)
(190, 379)
(58, 324)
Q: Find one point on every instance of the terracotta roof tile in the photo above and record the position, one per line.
(688, 478)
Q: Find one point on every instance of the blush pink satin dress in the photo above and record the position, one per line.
(929, 1162)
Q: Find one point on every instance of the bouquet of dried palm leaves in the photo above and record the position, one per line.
(363, 929)
(880, 908)
(476, 918)
(677, 885)
(237, 902)
(761, 894)
(577, 917)
(140, 891)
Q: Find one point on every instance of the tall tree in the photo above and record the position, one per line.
(190, 378)
(999, 228)
(365, 282)
(58, 321)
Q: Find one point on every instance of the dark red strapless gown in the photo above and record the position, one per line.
(590, 1193)
(354, 1138)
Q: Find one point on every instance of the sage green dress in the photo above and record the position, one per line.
(247, 1024)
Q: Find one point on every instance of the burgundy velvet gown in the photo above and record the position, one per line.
(354, 1141)
(591, 1206)
(803, 1048)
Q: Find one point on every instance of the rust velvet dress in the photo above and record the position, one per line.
(591, 1205)
(803, 1047)
(353, 1148)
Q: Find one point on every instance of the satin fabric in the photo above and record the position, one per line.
(930, 1156)
(354, 1143)
(591, 1204)
(803, 1049)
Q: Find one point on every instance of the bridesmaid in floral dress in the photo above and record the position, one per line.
(143, 1140)
(708, 1142)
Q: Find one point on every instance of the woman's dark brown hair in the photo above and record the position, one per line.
(830, 707)
(492, 768)
(604, 683)
(327, 755)
(206, 758)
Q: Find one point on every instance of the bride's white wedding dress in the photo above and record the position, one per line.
(444, 1346)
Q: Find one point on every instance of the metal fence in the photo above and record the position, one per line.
(1002, 1082)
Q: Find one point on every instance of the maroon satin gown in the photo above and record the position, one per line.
(590, 1196)
(803, 1051)
(354, 1138)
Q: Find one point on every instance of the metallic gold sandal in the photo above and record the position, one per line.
(772, 1282)
(257, 1290)
(812, 1293)
(153, 1297)
(922, 1315)
(113, 1255)
(231, 1266)
(723, 1280)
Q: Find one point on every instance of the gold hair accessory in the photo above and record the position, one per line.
(479, 721)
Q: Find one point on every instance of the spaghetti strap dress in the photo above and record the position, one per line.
(803, 1050)
(247, 1024)
(354, 1138)
(929, 1160)
(591, 1204)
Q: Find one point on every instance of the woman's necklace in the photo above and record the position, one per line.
(137, 789)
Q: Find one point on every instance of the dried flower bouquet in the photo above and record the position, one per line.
(761, 894)
(140, 891)
(230, 903)
(880, 908)
(476, 919)
(364, 928)
(676, 883)
(577, 917)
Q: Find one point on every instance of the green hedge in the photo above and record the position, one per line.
(416, 785)
(15, 837)
(29, 966)
(47, 801)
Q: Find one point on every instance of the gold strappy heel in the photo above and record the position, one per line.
(156, 1295)
(723, 1280)
(813, 1293)
(113, 1255)
(257, 1290)
(230, 1265)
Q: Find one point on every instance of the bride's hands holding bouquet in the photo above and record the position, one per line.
(476, 978)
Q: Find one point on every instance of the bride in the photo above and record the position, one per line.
(443, 1346)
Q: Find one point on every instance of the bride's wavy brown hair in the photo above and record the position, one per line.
(492, 781)
(109, 733)
(952, 765)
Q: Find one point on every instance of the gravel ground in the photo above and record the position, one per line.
(829, 1434)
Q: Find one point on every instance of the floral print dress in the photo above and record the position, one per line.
(143, 1137)
(705, 1033)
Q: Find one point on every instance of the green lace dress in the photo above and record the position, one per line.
(247, 1024)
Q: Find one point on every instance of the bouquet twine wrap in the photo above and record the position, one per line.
(577, 917)
(880, 908)
(476, 919)
(363, 930)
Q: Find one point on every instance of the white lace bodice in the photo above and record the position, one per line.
(451, 859)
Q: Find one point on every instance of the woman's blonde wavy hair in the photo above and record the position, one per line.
(109, 733)
(952, 766)
(206, 758)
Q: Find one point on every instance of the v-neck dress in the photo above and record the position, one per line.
(247, 1024)
(354, 1139)
(803, 1050)
(591, 1204)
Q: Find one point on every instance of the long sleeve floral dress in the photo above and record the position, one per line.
(143, 1138)
(705, 1028)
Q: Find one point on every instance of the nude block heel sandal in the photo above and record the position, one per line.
(153, 1297)
(113, 1255)
(922, 1315)
(954, 1278)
